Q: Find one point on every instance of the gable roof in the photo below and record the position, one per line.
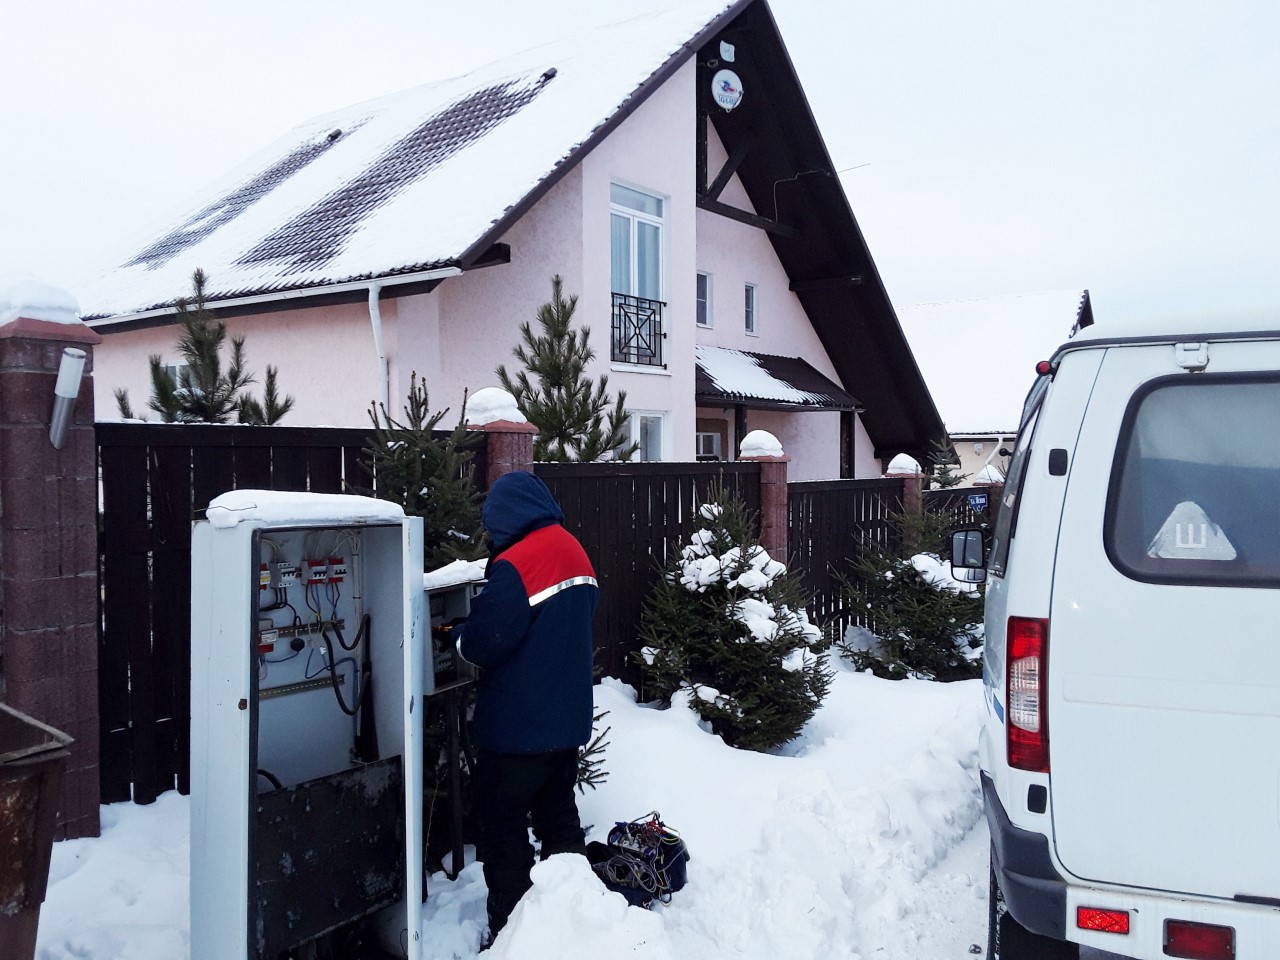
(979, 355)
(416, 181)
(765, 382)
(424, 183)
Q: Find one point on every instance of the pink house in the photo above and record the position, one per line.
(668, 169)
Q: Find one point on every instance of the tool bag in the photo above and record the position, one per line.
(644, 860)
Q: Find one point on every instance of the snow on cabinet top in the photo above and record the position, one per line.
(36, 300)
(402, 184)
(283, 508)
(453, 574)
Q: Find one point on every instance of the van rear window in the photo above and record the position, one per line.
(1195, 489)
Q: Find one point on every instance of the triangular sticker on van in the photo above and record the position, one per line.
(1189, 534)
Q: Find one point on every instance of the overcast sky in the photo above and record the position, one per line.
(999, 146)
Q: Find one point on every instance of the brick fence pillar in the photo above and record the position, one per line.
(773, 505)
(49, 553)
(510, 447)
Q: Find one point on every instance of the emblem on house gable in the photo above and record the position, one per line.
(726, 89)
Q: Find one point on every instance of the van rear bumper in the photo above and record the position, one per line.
(1034, 891)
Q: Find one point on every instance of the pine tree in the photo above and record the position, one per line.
(727, 624)
(942, 465)
(203, 391)
(923, 629)
(591, 771)
(574, 416)
(431, 478)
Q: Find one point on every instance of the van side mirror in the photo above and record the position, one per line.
(968, 556)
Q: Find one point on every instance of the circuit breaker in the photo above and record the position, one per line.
(308, 672)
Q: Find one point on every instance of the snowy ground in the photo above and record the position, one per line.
(865, 840)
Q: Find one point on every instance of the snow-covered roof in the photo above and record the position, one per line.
(739, 376)
(402, 184)
(978, 356)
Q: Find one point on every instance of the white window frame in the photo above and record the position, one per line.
(703, 304)
(664, 437)
(716, 450)
(751, 310)
(636, 217)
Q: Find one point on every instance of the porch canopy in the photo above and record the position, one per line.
(732, 378)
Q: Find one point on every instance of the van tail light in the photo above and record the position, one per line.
(1026, 656)
(1198, 941)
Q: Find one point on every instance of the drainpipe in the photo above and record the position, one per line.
(384, 368)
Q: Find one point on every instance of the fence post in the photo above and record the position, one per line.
(509, 436)
(773, 491)
(48, 539)
(907, 470)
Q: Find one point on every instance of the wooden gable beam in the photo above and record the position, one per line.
(742, 216)
(728, 170)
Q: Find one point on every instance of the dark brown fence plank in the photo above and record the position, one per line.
(831, 522)
(155, 478)
(121, 607)
(127, 713)
(171, 505)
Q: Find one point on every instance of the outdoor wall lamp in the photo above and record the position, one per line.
(65, 391)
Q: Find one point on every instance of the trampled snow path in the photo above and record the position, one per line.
(864, 841)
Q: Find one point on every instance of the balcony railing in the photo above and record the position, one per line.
(637, 330)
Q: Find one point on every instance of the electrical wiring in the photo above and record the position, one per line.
(333, 671)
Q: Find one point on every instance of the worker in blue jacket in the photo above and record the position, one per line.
(530, 633)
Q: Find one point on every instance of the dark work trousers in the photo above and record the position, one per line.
(510, 790)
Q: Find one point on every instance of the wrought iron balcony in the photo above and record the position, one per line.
(637, 330)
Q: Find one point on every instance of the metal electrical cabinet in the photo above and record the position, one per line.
(308, 635)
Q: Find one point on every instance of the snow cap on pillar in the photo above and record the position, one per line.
(491, 405)
(32, 307)
(760, 443)
(903, 464)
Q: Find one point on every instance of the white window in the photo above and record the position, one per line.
(703, 313)
(174, 370)
(635, 266)
(749, 314)
(635, 235)
(647, 431)
(707, 446)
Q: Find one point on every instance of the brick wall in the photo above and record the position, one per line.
(48, 556)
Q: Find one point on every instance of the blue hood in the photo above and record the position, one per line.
(518, 503)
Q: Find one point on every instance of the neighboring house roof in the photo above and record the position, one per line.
(979, 356)
(417, 185)
(761, 381)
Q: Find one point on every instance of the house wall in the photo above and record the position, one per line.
(736, 254)
(302, 344)
(479, 313)
(973, 461)
(652, 150)
(457, 335)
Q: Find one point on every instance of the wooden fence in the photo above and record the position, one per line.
(959, 504)
(154, 480)
(830, 522)
(628, 518)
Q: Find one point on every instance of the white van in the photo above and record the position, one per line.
(1131, 746)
